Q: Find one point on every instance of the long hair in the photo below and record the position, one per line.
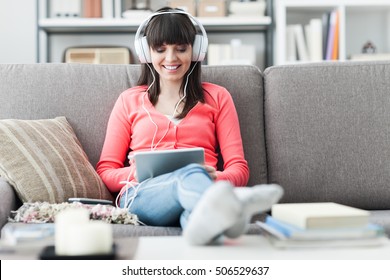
(172, 29)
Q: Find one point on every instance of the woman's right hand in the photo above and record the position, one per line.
(211, 171)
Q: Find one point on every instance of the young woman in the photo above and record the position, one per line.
(172, 109)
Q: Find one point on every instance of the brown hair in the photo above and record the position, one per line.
(172, 28)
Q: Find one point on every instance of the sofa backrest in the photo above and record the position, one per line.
(328, 132)
(85, 95)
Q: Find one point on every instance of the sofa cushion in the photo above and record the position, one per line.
(327, 132)
(44, 161)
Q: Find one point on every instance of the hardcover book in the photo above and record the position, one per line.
(294, 233)
(320, 215)
(331, 34)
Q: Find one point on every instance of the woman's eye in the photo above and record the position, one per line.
(159, 50)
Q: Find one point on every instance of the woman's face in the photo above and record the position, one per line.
(171, 61)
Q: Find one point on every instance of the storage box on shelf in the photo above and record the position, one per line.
(212, 8)
(188, 6)
(96, 55)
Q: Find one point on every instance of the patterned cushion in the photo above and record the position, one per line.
(44, 161)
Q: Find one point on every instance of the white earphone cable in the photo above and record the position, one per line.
(127, 183)
(152, 146)
(185, 90)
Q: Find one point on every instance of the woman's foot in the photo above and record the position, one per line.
(254, 200)
(218, 209)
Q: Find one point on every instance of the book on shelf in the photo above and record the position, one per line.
(325, 32)
(107, 8)
(302, 50)
(92, 8)
(295, 233)
(291, 50)
(336, 35)
(320, 215)
(333, 34)
(313, 32)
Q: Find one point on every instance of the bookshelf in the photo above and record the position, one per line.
(55, 34)
(360, 21)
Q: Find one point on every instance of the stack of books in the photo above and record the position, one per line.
(315, 41)
(300, 225)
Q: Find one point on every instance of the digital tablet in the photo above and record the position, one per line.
(89, 200)
(150, 164)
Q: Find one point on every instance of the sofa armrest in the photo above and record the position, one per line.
(8, 201)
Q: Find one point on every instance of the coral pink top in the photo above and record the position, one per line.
(208, 125)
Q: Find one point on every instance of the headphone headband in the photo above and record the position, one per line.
(199, 47)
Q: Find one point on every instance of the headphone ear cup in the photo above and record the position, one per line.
(199, 48)
(142, 50)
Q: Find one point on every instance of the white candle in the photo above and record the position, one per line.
(91, 238)
(63, 221)
(76, 235)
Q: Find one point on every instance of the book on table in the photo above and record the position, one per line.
(292, 232)
(282, 242)
(24, 234)
(320, 215)
(292, 226)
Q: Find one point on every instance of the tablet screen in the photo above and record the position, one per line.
(150, 164)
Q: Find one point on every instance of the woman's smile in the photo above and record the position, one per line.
(171, 67)
(172, 61)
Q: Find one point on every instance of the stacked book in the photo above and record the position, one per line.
(300, 225)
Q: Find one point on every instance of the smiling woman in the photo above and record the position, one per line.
(171, 62)
(171, 108)
(174, 52)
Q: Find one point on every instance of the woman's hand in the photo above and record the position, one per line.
(212, 171)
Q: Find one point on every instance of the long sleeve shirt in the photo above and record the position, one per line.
(135, 124)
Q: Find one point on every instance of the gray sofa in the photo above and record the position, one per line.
(322, 131)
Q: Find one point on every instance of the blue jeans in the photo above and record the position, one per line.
(167, 199)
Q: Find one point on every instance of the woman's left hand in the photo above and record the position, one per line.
(212, 172)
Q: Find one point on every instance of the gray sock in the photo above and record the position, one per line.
(218, 209)
(254, 200)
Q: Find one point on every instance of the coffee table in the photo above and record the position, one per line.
(247, 247)
(125, 249)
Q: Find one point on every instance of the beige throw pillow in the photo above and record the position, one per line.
(44, 161)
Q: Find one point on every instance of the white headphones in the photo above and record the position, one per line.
(199, 47)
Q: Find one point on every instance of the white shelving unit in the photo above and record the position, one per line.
(101, 24)
(360, 21)
(48, 27)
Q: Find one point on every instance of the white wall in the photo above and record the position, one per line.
(18, 31)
